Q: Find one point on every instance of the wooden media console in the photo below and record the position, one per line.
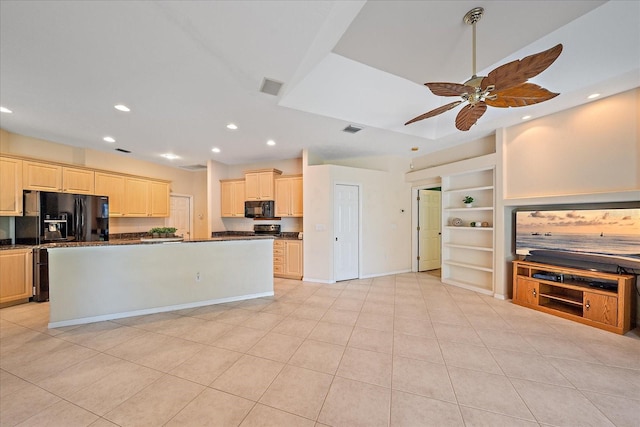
(602, 300)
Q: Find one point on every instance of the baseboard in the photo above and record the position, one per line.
(113, 316)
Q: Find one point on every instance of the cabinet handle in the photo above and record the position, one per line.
(534, 293)
(587, 305)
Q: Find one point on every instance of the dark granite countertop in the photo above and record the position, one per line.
(121, 242)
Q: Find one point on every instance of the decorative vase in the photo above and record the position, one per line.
(469, 205)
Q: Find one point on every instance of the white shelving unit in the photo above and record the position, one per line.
(468, 252)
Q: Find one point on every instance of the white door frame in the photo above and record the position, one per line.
(335, 183)
(191, 212)
(415, 219)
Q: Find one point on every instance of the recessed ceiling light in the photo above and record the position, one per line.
(414, 148)
(108, 139)
(593, 96)
(271, 142)
(170, 156)
(5, 110)
(526, 117)
(121, 107)
(232, 126)
(215, 149)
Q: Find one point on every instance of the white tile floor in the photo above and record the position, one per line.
(400, 350)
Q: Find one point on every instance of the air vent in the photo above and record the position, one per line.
(351, 129)
(122, 150)
(270, 87)
(194, 167)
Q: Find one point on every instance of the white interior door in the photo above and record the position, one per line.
(180, 215)
(346, 225)
(429, 233)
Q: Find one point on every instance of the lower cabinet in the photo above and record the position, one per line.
(288, 259)
(16, 275)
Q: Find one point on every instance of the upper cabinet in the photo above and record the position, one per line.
(10, 187)
(145, 198)
(259, 184)
(159, 199)
(232, 197)
(78, 181)
(288, 199)
(112, 186)
(41, 176)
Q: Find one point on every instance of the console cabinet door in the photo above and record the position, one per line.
(526, 292)
(600, 308)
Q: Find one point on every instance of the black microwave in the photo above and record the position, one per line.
(259, 209)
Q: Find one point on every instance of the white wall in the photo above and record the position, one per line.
(385, 241)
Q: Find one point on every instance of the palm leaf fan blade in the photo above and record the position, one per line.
(520, 96)
(434, 112)
(449, 89)
(469, 115)
(517, 72)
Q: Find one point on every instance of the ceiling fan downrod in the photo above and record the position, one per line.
(471, 18)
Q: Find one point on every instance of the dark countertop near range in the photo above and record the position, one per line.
(285, 235)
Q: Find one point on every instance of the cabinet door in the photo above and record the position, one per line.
(10, 187)
(226, 199)
(526, 292)
(283, 197)
(111, 186)
(41, 176)
(238, 199)
(252, 186)
(296, 197)
(16, 275)
(136, 193)
(293, 258)
(600, 308)
(158, 199)
(232, 199)
(265, 186)
(78, 181)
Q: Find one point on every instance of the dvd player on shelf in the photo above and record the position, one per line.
(549, 276)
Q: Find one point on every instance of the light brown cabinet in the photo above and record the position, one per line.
(16, 275)
(232, 196)
(288, 259)
(112, 186)
(602, 300)
(259, 184)
(41, 176)
(10, 187)
(288, 199)
(144, 198)
(78, 181)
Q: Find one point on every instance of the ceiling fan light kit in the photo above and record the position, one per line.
(504, 87)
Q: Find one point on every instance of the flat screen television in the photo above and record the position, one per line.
(595, 237)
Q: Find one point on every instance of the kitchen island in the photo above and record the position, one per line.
(96, 282)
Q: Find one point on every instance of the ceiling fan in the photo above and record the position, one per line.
(504, 87)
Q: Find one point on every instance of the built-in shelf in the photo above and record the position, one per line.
(471, 247)
(467, 265)
(468, 252)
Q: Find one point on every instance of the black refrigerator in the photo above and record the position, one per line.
(58, 218)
